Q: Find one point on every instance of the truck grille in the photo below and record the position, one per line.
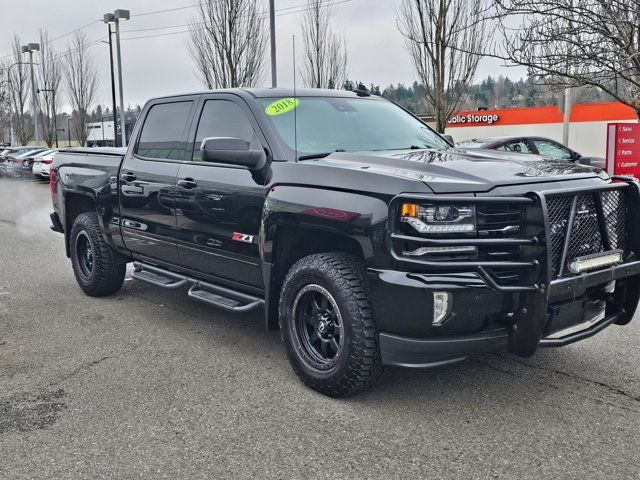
(598, 225)
(500, 221)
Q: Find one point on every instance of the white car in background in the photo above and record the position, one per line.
(42, 164)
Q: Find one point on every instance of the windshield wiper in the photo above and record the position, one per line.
(412, 147)
(313, 156)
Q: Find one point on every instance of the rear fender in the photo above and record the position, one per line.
(85, 190)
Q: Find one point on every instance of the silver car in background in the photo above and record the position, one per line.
(42, 164)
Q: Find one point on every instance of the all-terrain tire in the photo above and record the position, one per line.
(106, 274)
(358, 363)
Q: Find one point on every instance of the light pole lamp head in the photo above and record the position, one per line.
(109, 18)
(122, 14)
(24, 49)
(34, 47)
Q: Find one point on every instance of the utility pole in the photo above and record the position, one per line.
(30, 48)
(567, 116)
(55, 116)
(109, 18)
(10, 106)
(119, 16)
(272, 21)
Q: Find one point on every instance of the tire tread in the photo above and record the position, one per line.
(364, 367)
(110, 274)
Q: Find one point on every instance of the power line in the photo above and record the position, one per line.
(59, 37)
(266, 13)
(283, 11)
(143, 14)
(300, 8)
(74, 31)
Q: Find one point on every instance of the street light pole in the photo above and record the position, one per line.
(272, 21)
(120, 15)
(30, 48)
(10, 106)
(109, 18)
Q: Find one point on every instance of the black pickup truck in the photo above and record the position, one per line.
(367, 238)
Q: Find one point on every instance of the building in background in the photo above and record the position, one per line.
(101, 134)
(587, 131)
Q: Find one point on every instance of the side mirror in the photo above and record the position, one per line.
(449, 139)
(232, 151)
(575, 155)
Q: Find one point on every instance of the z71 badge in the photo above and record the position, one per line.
(242, 237)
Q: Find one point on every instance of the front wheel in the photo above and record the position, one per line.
(95, 264)
(327, 326)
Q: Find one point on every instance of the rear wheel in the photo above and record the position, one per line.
(326, 323)
(95, 264)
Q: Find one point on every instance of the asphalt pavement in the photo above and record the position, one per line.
(150, 384)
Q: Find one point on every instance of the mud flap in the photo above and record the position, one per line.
(628, 295)
(528, 326)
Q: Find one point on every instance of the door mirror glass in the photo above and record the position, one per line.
(232, 151)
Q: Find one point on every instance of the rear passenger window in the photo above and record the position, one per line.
(222, 118)
(163, 131)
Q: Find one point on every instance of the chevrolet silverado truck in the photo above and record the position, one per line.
(366, 237)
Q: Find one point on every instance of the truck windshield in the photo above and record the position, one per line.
(330, 124)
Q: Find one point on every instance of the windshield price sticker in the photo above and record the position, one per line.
(284, 105)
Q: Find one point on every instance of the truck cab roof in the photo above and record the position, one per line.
(276, 92)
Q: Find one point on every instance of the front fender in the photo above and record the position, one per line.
(355, 215)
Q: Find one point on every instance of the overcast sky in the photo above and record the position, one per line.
(160, 65)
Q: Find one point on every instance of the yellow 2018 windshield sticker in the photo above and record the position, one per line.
(284, 105)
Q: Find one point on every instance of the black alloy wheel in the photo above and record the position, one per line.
(84, 254)
(318, 325)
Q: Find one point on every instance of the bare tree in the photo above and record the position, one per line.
(82, 83)
(325, 53)
(227, 42)
(19, 94)
(445, 40)
(49, 77)
(5, 99)
(570, 43)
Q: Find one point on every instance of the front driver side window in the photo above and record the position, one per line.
(552, 150)
(223, 118)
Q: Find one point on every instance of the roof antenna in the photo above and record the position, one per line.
(362, 91)
(295, 103)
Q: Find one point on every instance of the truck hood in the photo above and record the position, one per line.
(459, 170)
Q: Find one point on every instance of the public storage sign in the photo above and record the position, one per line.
(623, 149)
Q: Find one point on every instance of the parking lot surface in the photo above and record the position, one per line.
(150, 384)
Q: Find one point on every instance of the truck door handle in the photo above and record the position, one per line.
(127, 177)
(187, 183)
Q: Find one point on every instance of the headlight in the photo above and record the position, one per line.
(439, 218)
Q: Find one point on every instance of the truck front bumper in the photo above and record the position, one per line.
(409, 352)
(482, 319)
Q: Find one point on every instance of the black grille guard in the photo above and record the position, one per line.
(536, 260)
(479, 266)
(537, 285)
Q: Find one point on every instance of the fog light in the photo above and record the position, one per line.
(599, 260)
(441, 307)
